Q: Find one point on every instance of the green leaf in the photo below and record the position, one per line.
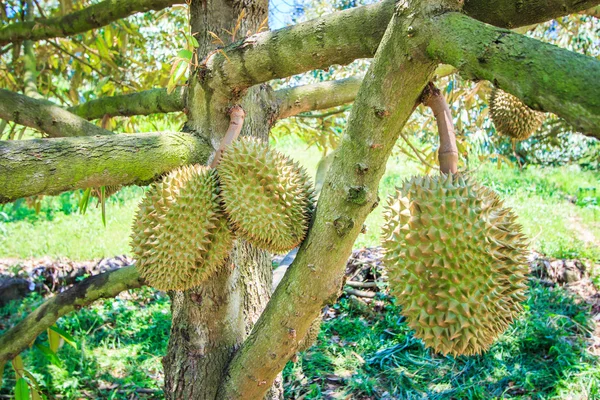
(185, 54)
(50, 355)
(179, 69)
(17, 364)
(103, 201)
(85, 199)
(65, 335)
(2, 365)
(53, 340)
(35, 394)
(22, 390)
(194, 41)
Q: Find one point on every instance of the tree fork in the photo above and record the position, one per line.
(387, 97)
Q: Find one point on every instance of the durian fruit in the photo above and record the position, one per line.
(456, 262)
(268, 198)
(180, 234)
(512, 117)
(312, 334)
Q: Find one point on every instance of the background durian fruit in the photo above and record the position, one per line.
(180, 234)
(456, 262)
(512, 117)
(268, 197)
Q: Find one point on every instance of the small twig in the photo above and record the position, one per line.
(361, 284)
(325, 114)
(433, 98)
(416, 151)
(236, 121)
(360, 293)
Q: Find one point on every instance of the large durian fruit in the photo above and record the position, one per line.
(180, 234)
(268, 198)
(456, 262)
(512, 117)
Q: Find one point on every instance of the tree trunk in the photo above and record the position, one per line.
(210, 322)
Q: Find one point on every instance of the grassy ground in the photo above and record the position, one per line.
(360, 354)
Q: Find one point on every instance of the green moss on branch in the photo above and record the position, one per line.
(45, 116)
(51, 166)
(544, 76)
(94, 16)
(141, 103)
(318, 96)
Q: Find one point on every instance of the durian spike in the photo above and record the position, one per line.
(236, 121)
(433, 98)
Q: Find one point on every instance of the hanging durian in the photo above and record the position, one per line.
(455, 256)
(457, 262)
(180, 235)
(512, 117)
(268, 198)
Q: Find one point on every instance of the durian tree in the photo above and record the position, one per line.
(230, 337)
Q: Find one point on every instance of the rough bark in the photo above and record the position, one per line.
(94, 16)
(211, 322)
(45, 116)
(105, 285)
(342, 37)
(318, 96)
(514, 13)
(51, 166)
(545, 77)
(388, 95)
(140, 103)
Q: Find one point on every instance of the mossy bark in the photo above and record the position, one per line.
(45, 116)
(387, 97)
(94, 16)
(51, 166)
(146, 102)
(546, 77)
(212, 321)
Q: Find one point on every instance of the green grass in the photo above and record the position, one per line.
(360, 354)
(543, 355)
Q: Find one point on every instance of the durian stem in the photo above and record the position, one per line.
(236, 121)
(448, 152)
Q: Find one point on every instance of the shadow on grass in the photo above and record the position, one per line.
(543, 355)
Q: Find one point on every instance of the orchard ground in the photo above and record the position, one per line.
(360, 354)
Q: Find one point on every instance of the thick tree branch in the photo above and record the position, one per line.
(318, 96)
(342, 37)
(50, 166)
(385, 100)
(140, 103)
(92, 17)
(515, 13)
(106, 285)
(544, 76)
(45, 116)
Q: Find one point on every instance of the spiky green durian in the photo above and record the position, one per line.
(268, 197)
(180, 234)
(456, 262)
(512, 117)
